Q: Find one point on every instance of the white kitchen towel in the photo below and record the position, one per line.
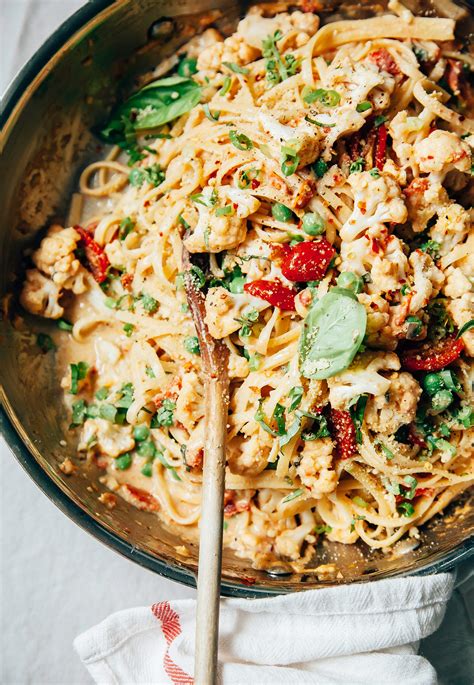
(365, 633)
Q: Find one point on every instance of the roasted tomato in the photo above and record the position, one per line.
(274, 292)
(432, 356)
(384, 61)
(97, 260)
(343, 433)
(308, 261)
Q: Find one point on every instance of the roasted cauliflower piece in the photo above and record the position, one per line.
(254, 28)
(40, 295)
(234, 49)
(226, 311)
(190, 401)
(379, 332)
(302, 139)
(376, 201)
(248, 454)
(288, 543)
(55, 258)
(441, 152)
(427, 280)
(107, 437)
(451, 228)
(362, 377)
(214, 231)
(396, 406)
(316, 469)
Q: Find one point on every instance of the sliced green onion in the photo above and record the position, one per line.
(364, 106)
(292, 495)
(236, 68)
(225, 86)
(240, 140)
(211, 116)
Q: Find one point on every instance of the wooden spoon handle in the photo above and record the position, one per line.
(210, 546)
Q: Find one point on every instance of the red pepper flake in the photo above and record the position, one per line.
(308, 261)
(418, 185)
(246, 580)
(97, 261)
(274, 292)
(343, 433)
(127, 280)
(432, 356)
(254, 183)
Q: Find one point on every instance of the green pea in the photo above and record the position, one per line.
(281, 212)
(141, 433)
(350, 281)
(313, 223)
(441, 400)
(124, 461)
(433, 383)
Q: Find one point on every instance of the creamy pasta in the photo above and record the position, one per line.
(321, 180)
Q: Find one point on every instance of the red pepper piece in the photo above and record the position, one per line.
(97, 260)
(308, 261)
(384, 61)
(139, 498)
(274, 292)
(432, 356)
(419, 492)
(343, 433)
(380, 155)
(232, 505)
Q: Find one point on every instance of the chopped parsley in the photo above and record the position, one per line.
(128, 329)
(357, 166)
(152, 174)
(126, 226)
(293, 495)
(236, 68)
(191, 344)
(246, 321)
(164, 416)
(278, 68)
(78, 373)
(319, 167)
(148, 302)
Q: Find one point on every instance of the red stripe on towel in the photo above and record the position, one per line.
(171, 627)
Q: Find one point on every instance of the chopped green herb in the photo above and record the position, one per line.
(237, 69)
(379, 120)
(329, 98)
(431, 247)
(224, 211)
(212, 116)
(108, 412)
(357, 166)
(167, 465)
(295, 395)
(465, 328)
(375, 173)
(126, 397)
(415, 326)
(278, 68)
(149, 372)
(191, 344)
(405, 289)
(197, 277)
(225, 86)
(411, 482)
(79, 413)
(261, 419)
(64, 325)
(247, 319)
(358, 501)
(128, 329)
(293, 495)
(164, 415)
(152, 174)
(364, 106)
(387, 453)
(357, 410)
(240, 140)
(321, 124)
(126, 226)
(322, 528)
(183, 222)
(102, 393)
(123, 462)
(78, 373)
(147, 469)
(246, 177)
(254, 361)
(206, 200)
(289, 160)
(406, 509)
(45, 342)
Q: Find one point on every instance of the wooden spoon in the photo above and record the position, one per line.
(214, 355)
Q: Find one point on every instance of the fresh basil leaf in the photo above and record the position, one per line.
(154, 105)
(333, 331)
(295, 395)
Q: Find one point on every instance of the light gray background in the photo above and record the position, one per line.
(56, 580)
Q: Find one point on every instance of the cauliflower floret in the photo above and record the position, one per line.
(214, 233)
(376, 200)
(109, 438)
(253, 256)
(40, 295)
(316, 467)
(441, 152)
(234, 49)
(238, 367)
(249, 454)
(378, 332)
(357, 80)
(225, 311)
(427, 280)
(457, 283)
(362, 377)
(451, 228)
(302, 139)
(254, 28)
(201, 42)
(405, 130)
(190, 401)
(288, 543)
(396, 406)
(424, 198)
(462, 311)
(55, 257)
(389, 270)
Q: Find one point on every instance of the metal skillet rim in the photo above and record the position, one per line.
(73, 511)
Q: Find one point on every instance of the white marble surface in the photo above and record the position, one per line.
(56, 579)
